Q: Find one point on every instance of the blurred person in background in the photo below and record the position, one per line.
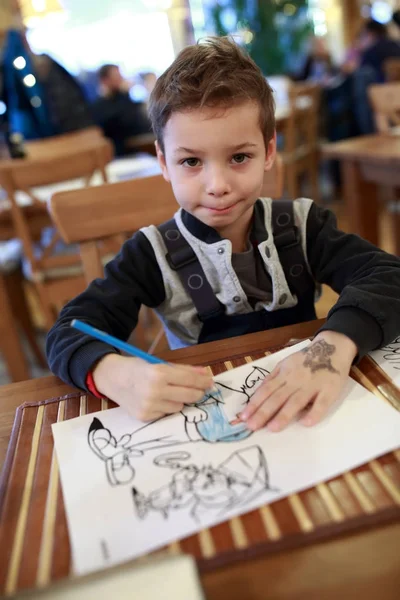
(396, 23)
(149, 81)
(142, 86)
(116, 113)
(69, 108)
(318, 66)
(40, 98)
(376, 47)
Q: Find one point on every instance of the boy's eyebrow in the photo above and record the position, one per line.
(232, 149)
(183, 149)
(244, 145)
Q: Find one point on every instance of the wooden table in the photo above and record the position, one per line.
(366, 162)
(365, 564)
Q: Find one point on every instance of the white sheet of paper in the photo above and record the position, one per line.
(388, 358)
(129, 489)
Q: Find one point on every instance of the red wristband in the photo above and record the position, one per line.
(91, 386)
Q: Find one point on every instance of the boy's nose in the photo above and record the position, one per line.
(217, 184)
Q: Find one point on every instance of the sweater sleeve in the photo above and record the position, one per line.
(367, 279)
(111, 304)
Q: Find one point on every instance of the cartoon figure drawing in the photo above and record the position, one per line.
(214, 419)
(391, 353)
(206, 490)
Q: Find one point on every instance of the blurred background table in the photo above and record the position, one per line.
(367, 162)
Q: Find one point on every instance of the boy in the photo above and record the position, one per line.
(230, 263)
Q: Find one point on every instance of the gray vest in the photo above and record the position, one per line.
(178, 313)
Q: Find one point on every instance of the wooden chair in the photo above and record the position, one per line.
(56, 277)
(108, 214)
(14, 317)
(391, 68)
(142, 143)
(111, 211)
(274, 180)
(301, 149)
(385, 100)
(61, 144)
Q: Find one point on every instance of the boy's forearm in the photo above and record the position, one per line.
(367, 279)
(112, 304)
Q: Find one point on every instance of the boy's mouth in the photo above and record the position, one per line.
(221, 211)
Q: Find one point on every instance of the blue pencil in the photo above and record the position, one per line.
(113, 341)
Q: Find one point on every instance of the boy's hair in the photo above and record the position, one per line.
(213, 72)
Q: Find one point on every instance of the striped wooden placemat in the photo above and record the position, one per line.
(34, 539)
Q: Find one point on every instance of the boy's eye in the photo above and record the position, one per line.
(191, 162)
(239, 158)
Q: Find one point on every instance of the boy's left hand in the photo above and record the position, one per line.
(314, 376)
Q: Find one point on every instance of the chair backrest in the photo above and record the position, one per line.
(107, 213)
(391, 68)
(302, 125)
(61, 144)
(24, 174)
(385, 100)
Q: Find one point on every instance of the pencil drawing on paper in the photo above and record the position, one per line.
(214, 419)
(206, 490)
(391, 353)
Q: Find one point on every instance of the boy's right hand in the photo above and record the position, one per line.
(149, 391)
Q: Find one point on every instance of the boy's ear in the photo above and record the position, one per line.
(270, 153)
(161, 161)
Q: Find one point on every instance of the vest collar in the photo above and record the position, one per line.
(209, 235)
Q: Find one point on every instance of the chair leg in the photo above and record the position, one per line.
(12, 349)
(49, 313)
(159, 343)
(23, 315)
(314, 179)
(396, 222)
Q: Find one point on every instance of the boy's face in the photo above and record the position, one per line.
(215, 159)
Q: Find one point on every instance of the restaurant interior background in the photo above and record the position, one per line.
(145, 35)
(142, 37)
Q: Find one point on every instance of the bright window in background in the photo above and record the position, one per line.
(318, 17)
(135, 41)
(381, 12)
(198, 21)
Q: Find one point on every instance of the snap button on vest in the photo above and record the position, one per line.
(282, 299)
(195, 281)
(296, 270)
(221, 250)
(172, 234)
(283, 219)
(236, 298)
